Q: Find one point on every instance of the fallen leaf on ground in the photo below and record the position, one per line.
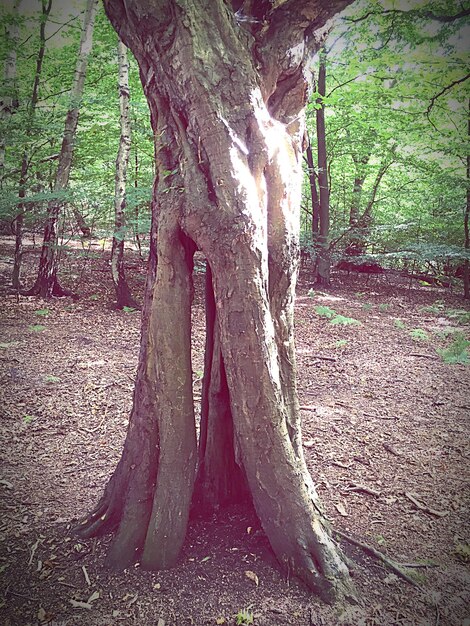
(341, 510)
(80, 605)
(252, 576)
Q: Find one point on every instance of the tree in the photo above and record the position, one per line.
(323, 263)
(9, 99)
(123, 293)
(47, 282)
(226, 87)
(46, 6)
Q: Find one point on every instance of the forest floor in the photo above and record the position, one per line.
(386, 437)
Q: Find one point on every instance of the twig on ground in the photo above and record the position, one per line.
(364, 488)
(422, 507)
(393, 565)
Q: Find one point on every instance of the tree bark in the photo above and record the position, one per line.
(123, 293)
(323, 264)
(227, 100)
(47, 283)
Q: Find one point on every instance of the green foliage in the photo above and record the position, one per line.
(341, 343)
(345, 321)
(36, 328)
(129, 309)
(53, 379)
(367, 306)
(384, 306)
(396, 149)
(27, 419)
(419, 334)
(325, 311)
(399, 324)
(244, 617)
(457, 351)
(42, 312)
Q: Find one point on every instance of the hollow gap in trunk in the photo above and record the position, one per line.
(221, 480)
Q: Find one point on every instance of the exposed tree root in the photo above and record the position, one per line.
(390, 563)
(56, 291)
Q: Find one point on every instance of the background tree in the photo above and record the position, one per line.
(226, 90)
(123, 293)
(47, 283)
(395, 127)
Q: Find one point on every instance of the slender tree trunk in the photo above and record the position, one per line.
(229, 183)
(312, 178)
(466, 268)
(123, 293)
(47, 282)
(9, 101)
(323, 275)
(22, 208)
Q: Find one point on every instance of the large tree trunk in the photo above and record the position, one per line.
(47, 282)
(123, 292)
(230, 129)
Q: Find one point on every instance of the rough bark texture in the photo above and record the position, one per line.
(226, 89)
(123, 292)
(47, 283)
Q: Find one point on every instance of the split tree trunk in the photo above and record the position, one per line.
(230, 130)
(123, 293)
(47, 282)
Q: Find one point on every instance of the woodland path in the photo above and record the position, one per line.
(386, 435)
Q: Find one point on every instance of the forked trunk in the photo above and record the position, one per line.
(230, 130)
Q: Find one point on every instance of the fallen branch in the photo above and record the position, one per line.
(423, 356)
(422, 507)
(393, 565)
(324, 358)
(369, 490)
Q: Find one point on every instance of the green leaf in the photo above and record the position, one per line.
(36, 328)
(42, 312)
(53, 379)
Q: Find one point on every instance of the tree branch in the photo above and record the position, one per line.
(445, 90)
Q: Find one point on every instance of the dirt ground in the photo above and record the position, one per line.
(386, 436)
